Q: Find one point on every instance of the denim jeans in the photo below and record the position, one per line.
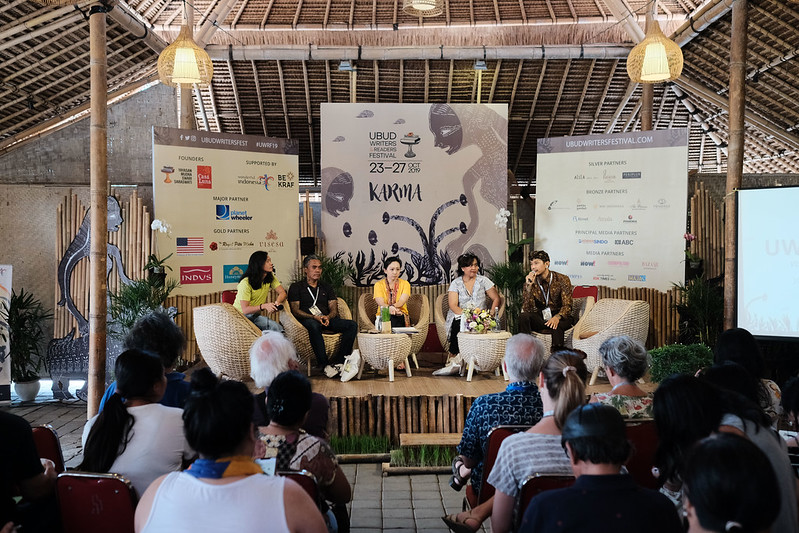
(264, 323)
(348, 330)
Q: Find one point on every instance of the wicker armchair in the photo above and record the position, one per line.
(418, 310)
(440, 310)
(298, 335)
(580, 306)
(224, 337)
(610, 317)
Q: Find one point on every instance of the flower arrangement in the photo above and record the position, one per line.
(478, 320)
(161, 226)
(501, 220)
(692, 257)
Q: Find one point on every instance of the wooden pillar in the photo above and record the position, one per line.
(647, 97)
(735, 152)
(98, 165)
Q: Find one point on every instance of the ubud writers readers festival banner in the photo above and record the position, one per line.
(219, 198)
(421, 181)
(611, 209)
(5, 348)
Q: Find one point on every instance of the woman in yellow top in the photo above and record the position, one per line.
(253, 290)
(393, 292)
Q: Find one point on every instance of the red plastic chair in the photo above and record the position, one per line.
(95, 502)
(644, 438)
(535, 485)
(48, 446)
(229, 297)
(581, 291)
(495, 437)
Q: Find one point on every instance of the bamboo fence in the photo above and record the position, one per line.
(389, 416)
(707, 224)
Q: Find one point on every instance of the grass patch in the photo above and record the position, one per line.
(425, 455)
(359, 444)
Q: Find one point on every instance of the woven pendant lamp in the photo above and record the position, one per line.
(656, 58)
(183, 63)
(423, 8)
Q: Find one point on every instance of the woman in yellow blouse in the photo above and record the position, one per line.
(253, 290)
(393, 292)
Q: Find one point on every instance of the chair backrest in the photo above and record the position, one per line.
(229, 297)
(49, 447)
(581, 291)
(440, 308)
(644, 438)
(95, 502)
(224, 337)
(580, 306)
(367, 310)
(495, 437)
(344, 309)
(535, 485)
(307, 481)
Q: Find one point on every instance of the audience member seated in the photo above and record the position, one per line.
(790, 408)
(625, 361)
(314, 305)
(270, 355)
(136, 437)
(739, 346)
(224, 490)
(158, 334)
(688, 409)
(602, 499)
(562, 386)
(518, 404)
(288, 403)
(33, 477)
(253, 290)
(729, 486)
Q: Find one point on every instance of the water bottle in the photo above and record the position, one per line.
(496, 320)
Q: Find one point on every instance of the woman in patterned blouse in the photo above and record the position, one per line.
(625, 361)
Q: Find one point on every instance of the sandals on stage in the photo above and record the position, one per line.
(461, 527)
(457, 481)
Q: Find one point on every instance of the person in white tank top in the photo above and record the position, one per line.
(224, 490)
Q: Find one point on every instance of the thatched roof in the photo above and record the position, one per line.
(558, 64)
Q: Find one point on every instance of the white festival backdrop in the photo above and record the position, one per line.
(768, 261)
(422, 181)
(611, 209)
(223, 197)
(6, 272)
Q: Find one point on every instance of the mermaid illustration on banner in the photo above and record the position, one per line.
(457, 126)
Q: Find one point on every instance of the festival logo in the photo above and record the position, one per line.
(196, 274)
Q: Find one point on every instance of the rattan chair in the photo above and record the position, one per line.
(440, 310)
(224, 337)
(608, 318)
(384, 351)
(418, 311)
(298, 335)
(580, 306)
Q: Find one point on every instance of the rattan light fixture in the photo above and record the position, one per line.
(183, 63)
(423, 8)
(655, 59)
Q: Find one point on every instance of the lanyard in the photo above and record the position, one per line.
(549, 287)
(312, 294)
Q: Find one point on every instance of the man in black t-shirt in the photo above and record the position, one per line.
(314, 304)
(20, 466)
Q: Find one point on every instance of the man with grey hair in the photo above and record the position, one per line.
(270, 355)
(519, 404)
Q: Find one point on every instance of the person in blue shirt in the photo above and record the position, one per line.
(158, 335)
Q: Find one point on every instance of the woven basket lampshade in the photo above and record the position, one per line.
(655, 59)
(423, 8)
(183, 63)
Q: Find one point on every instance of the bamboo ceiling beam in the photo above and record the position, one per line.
(39, 48)
(605, 90)
(426, 77)
(129, 20)
(496, 13)
(634, 116)
(175, 14)
(374, 13)
(556, 104)
(376, 70)
(55, 56)
(327, 13)
(12, 5)
(55, 26)
(497, 70)
(571, 9)
(211, 24)
(471, 12)
(33, 19)
(283, 98)
(352, 13)
(582, 96)
(530, 116)
(238, 14)
(214, 124)
(328, 80)
(620, 109)
(656, 120)
(523, 11)
(262, 26)
(516, 79)
(206, 15)
(198, 97)
(626, 19)
(401, 78)
(297, 13)
(447, 18)
(236, 95)
(551, 11)
(309, 120)
(449, 80)
(260, 97)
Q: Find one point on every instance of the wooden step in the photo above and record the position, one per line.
(421, 439)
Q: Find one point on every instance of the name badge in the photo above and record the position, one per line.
(547, 312)
(314, 310)
(267, 465)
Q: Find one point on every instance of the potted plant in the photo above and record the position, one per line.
(25, 316)
(509, 279)
(138, 298)
(156, 268)
(700, 304)
(679, 359)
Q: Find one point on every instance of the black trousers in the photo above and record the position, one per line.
(530, 322)
(453, 336)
